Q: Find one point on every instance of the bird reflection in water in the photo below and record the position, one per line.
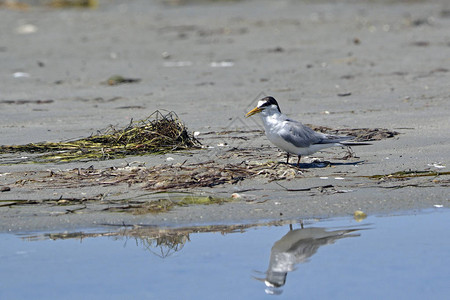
(296, 247)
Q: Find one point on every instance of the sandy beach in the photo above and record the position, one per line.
(352, 64)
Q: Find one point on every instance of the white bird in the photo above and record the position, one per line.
(290, 135)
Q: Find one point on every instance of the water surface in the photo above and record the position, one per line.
(390, 257)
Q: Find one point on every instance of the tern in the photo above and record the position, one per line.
(290, 135)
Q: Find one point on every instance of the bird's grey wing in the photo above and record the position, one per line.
(302, 136)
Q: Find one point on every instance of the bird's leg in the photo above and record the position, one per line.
(350, 153)
(287, 160)
(298, 162)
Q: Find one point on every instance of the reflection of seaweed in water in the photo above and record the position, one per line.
(164, 205)
(167, 244)
(168, 240)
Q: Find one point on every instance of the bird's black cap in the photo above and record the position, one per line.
(270, 101)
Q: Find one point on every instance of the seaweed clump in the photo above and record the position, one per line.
(73, 3)
(159, 133)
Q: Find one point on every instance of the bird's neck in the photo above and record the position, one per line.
(271, 119)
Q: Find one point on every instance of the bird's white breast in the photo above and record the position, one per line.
(273, 127)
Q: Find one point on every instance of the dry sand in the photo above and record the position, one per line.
(352, 64)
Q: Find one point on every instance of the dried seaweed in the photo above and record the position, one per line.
(159, 133)
(117, 79)
(360, 134)
(409, 174)
(73, 3)
(171, 177)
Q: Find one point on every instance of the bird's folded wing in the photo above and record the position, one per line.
(302, 136)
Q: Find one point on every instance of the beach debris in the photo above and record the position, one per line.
(21, 75)
(421, 43)
(360, 134)
(320, 188)
(5, 189)
(164, 177)
(359, 215)
(23, 101)
(158, 134)
(209, 174)
(437, 165)
(117, 79)
(12, 4)
(277, 49)
(26, 29)
(166, 55)
(73, 3)
(20, 5)
(343, 191)
(222, 165)
(408, 174)
(222, 64)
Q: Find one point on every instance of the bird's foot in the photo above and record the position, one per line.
(349, 153)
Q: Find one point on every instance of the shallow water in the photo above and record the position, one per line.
(393, 257)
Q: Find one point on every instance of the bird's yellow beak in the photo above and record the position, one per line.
(253, 111)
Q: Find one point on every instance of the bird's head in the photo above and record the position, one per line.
(267, 104)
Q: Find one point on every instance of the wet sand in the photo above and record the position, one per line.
(377, 64)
